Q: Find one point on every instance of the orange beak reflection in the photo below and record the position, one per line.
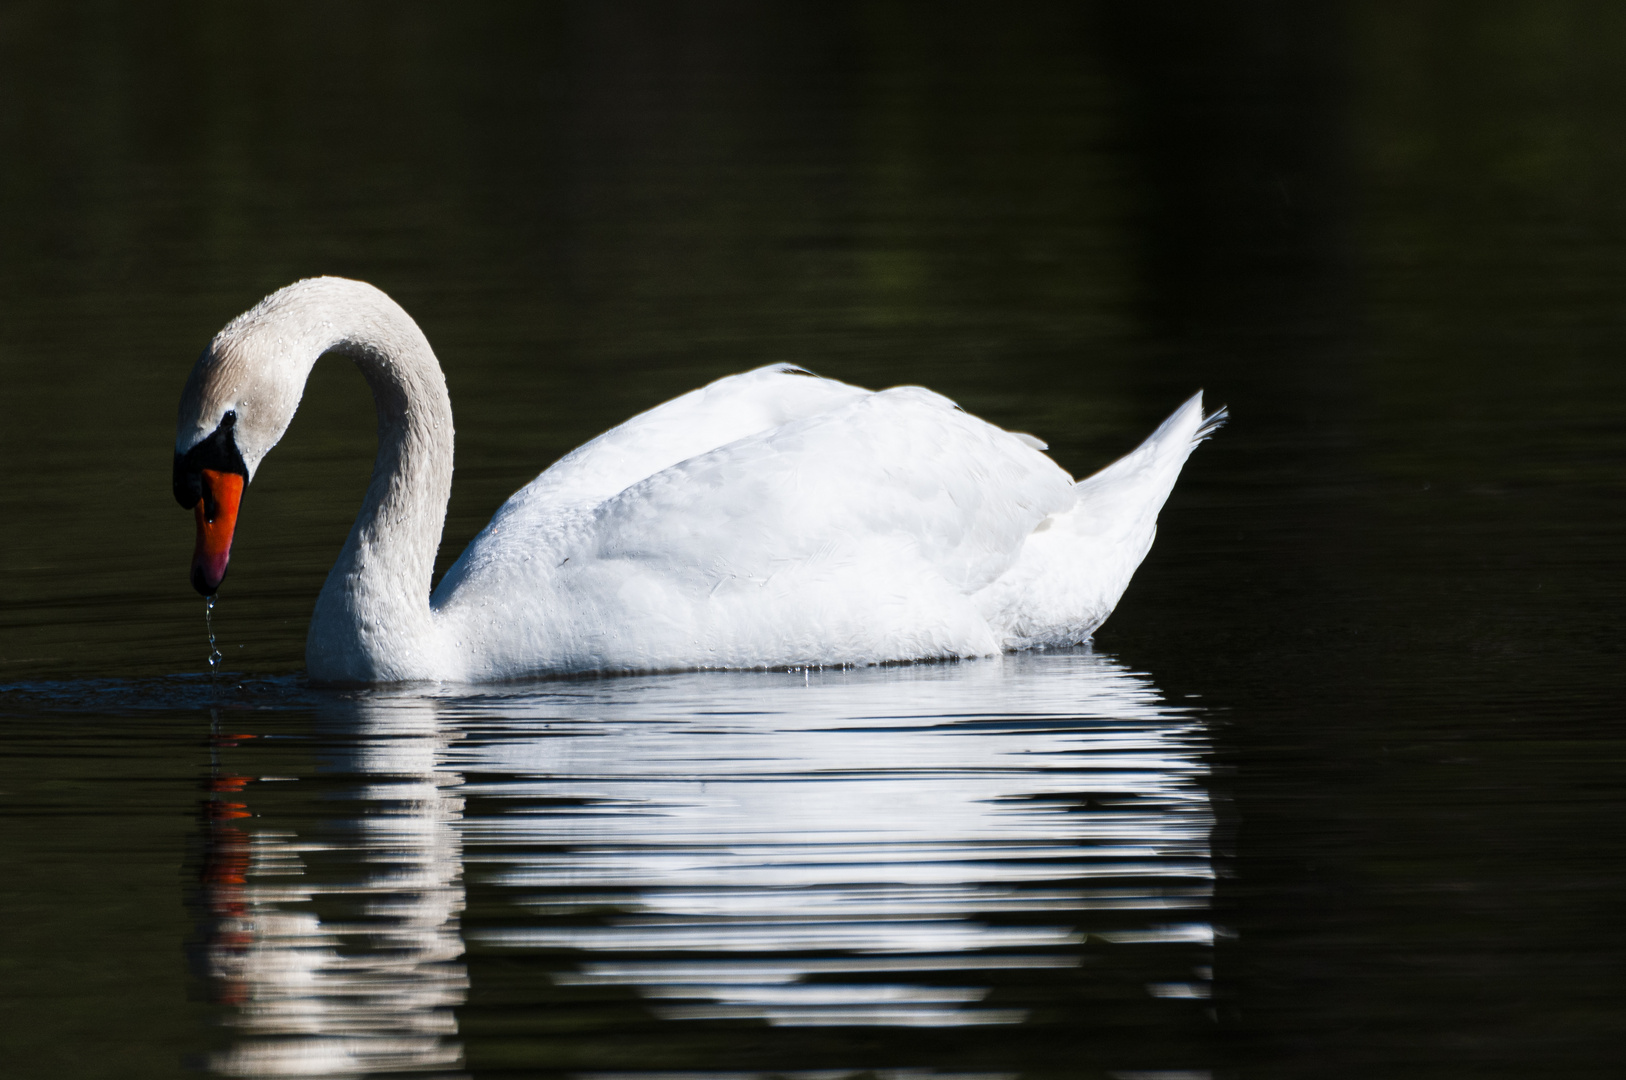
(217, 519)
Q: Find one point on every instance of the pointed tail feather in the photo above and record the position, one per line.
(1073, 570)
(1116, 516)
(1118, 506)
(1211, 423)
(1156, 462)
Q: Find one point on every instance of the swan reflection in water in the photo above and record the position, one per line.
(339, 953)
(887, 847)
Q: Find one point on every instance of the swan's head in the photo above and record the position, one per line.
(238, 402)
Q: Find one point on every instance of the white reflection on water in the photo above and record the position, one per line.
(872, 847)
(802, 849)
(371, 991)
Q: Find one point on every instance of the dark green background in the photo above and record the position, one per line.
(1392, 236)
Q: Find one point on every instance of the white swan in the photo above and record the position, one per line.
(768, 519)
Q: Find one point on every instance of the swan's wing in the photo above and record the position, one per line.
(860, 532)
(719, 413)
(535, 518)
(904, 468)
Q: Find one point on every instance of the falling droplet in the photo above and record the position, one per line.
(214, 653)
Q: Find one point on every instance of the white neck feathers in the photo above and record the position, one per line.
(372, 621)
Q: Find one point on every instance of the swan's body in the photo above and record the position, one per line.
(768, 519)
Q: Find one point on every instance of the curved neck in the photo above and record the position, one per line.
(374, 606)
(372, 621)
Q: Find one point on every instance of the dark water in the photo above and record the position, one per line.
(1337, 791)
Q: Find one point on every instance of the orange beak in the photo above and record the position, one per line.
(217, 519)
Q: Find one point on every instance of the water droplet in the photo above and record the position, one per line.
(209, 623)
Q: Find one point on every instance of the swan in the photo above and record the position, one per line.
(769, 519)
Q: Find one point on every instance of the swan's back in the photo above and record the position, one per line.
(848, 525)
(900, 470)
(701, 420)
(775, 519)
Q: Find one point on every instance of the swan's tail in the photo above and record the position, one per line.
(1073, 570)
(1136, 485)
(1211, 423)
